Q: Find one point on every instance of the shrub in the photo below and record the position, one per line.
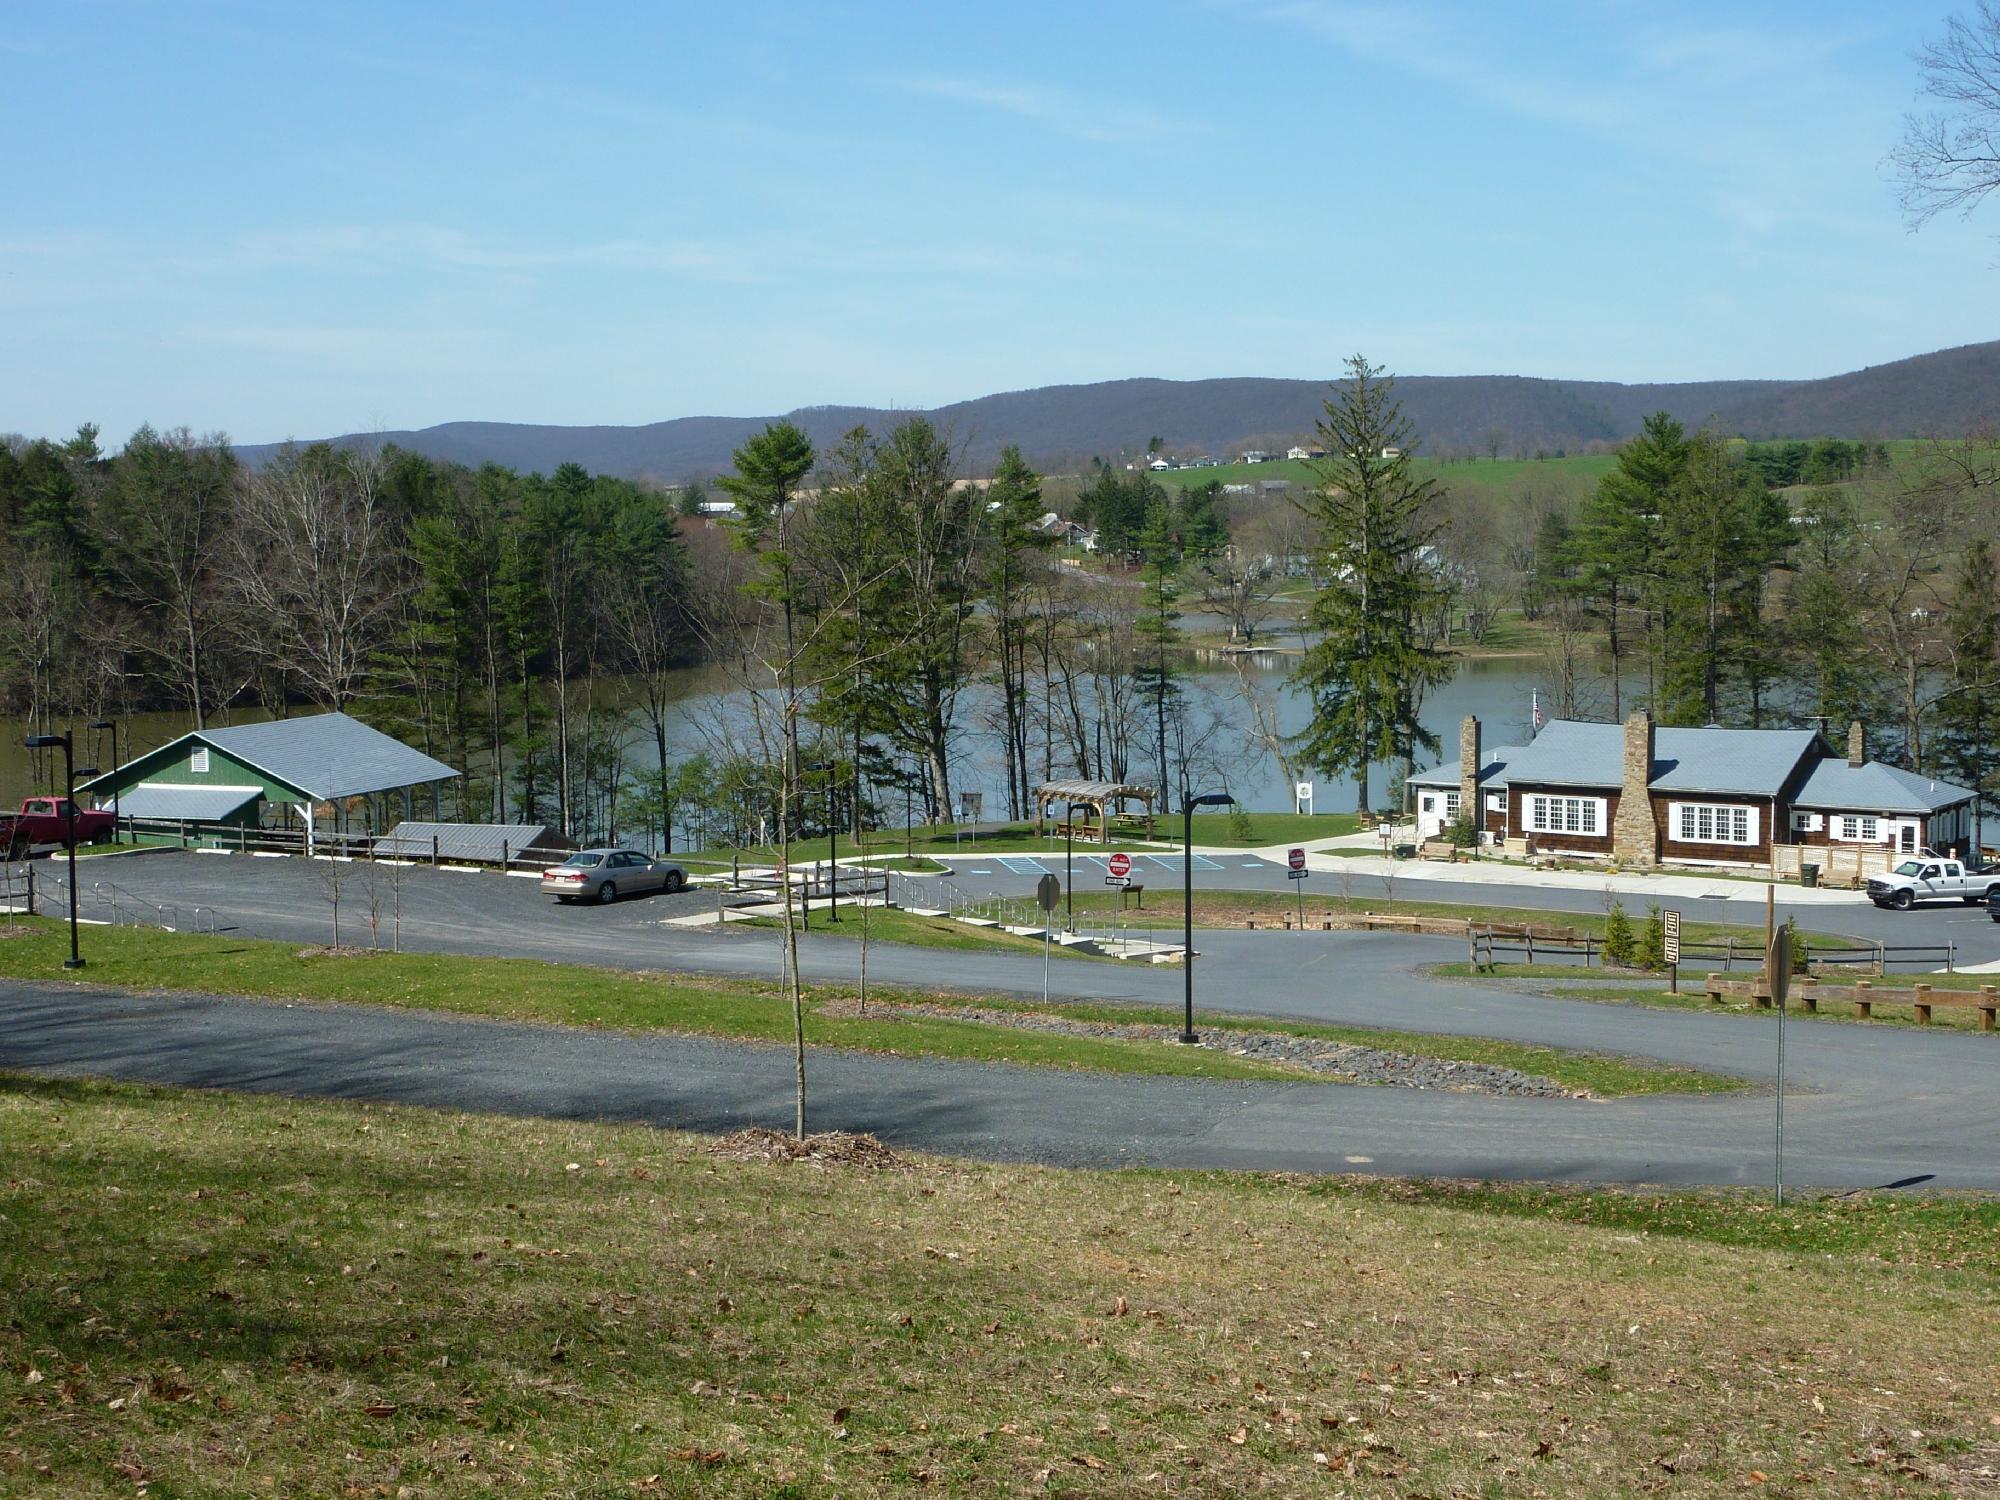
(1652, 953)
(1239, 823)
(1619, 941)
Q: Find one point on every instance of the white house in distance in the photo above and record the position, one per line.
(1635, 794)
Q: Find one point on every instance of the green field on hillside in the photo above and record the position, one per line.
(1580, 471)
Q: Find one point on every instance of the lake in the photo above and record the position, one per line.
(1500, 691)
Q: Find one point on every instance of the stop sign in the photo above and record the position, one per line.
(1121, 865)
(1296, 859)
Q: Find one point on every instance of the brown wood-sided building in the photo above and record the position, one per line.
(1643, 795)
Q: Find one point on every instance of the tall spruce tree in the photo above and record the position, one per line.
(1015, 555)
(1375, 521)
(1969, 715)
(1617, 530)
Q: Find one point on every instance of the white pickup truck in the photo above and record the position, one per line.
(1929, 878)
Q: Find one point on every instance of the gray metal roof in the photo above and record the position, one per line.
(1743, 762)
(481, 843)
(192, 804)
(326, 755)
(1492, 770)
(1874, 787)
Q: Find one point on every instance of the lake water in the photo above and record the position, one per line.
(712, 712)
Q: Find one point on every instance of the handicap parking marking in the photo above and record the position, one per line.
(1256, 864)
(1023, 865)
(1173, 861)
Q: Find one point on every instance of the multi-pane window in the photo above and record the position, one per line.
(1450, 805)
(1856, 829)
(1713, 823)
(1565, 814)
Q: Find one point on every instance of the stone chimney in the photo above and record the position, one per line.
(1634, 836)
(1468, 769)
(1857, 743)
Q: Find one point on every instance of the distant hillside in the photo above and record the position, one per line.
(1948, 392)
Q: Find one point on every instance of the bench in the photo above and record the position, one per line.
(1864, 996)
(1439, 849)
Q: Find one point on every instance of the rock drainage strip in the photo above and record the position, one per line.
(1342, 1060)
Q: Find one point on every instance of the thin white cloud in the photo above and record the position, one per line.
(1098, 121)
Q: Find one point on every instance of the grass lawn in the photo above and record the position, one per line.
(894, 926)
(1233, 908)
(211, 1294)
(740, 1010)
(1577, 473)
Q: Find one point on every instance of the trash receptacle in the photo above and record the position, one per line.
(1808, 874)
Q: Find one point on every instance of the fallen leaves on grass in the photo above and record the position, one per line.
(829, 1148)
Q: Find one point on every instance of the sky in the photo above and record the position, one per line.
(290, 220)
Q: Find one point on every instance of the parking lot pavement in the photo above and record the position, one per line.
(979, 1110)
(1873, 1104)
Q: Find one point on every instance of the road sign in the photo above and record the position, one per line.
(1672, 922)
(1048, 891)
(1121, 865)
(1778, 966)
(1296, 859)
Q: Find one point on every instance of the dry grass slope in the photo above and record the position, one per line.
(208, 1294)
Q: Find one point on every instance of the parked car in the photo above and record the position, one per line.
(45, 820)
(1929, 878)
(606, 874)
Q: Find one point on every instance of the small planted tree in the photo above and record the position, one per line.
(1652, 951)
(1620, 943)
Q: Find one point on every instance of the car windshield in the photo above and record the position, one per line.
(584, 861)
(1909, 867)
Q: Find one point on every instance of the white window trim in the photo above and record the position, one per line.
(198, 761)
(1550, 813)
(1730, 824)
(1859, 828)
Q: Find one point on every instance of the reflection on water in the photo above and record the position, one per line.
(711, 715)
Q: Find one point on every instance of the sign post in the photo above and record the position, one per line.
(1295, 860)
(1778, 980)
(1048, 891)
(1672, 922)
(1120, 866)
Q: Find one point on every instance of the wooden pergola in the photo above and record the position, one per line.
(1106, 801)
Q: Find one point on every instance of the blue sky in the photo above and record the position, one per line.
(288, 220)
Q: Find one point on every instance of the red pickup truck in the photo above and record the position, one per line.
(45, 820)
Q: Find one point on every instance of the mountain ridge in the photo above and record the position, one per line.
(1947, 392)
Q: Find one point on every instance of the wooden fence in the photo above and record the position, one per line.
(1864, 995)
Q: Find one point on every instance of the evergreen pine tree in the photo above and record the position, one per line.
(1370, 660)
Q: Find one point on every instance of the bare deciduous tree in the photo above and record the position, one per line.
(319, 570)
(1949, 157)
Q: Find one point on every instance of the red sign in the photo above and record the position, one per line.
(1296, 859)
(1121, 865)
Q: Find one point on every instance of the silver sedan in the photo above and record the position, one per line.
(606, 874)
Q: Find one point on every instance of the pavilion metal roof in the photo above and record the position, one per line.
(176, 804)
(478, 843)
(321, 756)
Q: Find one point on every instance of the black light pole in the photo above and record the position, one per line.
(1206, 799)
(115, 764)
(51, 742)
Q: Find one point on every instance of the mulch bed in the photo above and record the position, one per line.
(839, 1148)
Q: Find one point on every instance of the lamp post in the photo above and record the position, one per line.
(116, 811)
(1206, 799)
(65, 743)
